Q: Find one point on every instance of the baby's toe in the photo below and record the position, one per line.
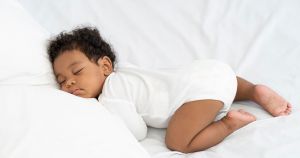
(289, 106)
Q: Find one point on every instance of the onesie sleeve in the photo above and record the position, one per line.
(126, 111)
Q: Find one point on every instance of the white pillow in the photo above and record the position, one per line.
(23, 47)
(43, 122)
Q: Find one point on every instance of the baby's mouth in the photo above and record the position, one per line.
(77, 91)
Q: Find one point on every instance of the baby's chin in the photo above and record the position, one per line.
(84, 96)
(87, 96)
(81, 95)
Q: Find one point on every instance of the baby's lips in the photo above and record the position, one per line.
(77, 91)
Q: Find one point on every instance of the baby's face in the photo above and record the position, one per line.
(77, 75)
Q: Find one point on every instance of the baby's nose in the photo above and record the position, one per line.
(70, 83)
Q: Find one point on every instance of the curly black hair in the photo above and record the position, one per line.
(85, 39)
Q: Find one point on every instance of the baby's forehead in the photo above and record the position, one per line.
(59, 67)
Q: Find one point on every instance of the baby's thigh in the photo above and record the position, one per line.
(190, 119)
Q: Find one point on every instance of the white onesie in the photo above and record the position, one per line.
(144, 98)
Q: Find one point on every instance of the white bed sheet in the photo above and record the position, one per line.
(260, 39)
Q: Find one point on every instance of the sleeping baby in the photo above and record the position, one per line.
(192, 102)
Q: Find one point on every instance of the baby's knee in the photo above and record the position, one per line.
(175, 146)
(175, 143)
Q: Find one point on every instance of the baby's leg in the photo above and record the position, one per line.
(192, 128)
(264, 96)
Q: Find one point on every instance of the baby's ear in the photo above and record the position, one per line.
(106, 65)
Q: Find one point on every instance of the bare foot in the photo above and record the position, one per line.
(271, 101)
(236, 119)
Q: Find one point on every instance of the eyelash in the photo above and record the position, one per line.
(77, 72)
(62, 82)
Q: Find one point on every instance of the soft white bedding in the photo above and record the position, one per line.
(260, 39)
(43, 122)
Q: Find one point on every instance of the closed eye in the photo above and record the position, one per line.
(61, 82)
(77, 72)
